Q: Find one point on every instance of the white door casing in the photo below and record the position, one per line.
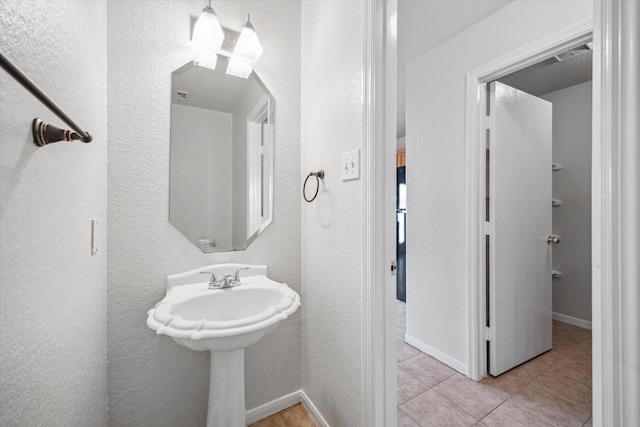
(520, 217)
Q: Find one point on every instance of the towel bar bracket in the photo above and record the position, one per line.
(44, 133)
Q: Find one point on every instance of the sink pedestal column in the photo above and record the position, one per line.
(226, 390)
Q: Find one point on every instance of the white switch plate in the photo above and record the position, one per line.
(350, 166)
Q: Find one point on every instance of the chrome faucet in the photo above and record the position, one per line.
(227, 281)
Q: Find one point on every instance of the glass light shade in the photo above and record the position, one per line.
(208, 59)
(248, 45)
(207, 33)
(239, 68)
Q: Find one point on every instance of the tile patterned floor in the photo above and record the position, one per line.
(554, 389)
(295, 416)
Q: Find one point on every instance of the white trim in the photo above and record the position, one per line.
(312, 410)
(263, 411)
(388, 154)
(571, 320)
(368, 230)
(287, 401)
(616, 213)
(475, 187)
(378, 398)
(436, 354)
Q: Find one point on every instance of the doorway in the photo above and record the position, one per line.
(613, 325)
(519, 131)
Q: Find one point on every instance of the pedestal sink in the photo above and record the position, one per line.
(225, 322)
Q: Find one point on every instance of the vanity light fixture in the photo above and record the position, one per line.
(239, 68)
(247, 50)
(243, 49)
(208, 37)
(248, 45)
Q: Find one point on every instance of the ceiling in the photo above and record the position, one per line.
(551, 75)
(424, 24)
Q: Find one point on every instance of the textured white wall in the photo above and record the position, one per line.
(152, 380)
(436, 289)
(572, 185)
(52, 291)
(332, 123)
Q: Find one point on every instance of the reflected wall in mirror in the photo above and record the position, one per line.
(222, 145)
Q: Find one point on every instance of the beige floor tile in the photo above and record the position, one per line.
(511, 415)
(576, 365)
(576, 331)
(431, 409)
(553, 409)
(586, 344)
(408, 386)
(273, 421)
(560, 337)
(551, 389)
(561, 349)
(404, 350)
(513, 380)
(405, 420)
(565, 385)
(297, 416)
(426, 369)
(473, 397)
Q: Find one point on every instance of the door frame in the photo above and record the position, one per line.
(378, 365)
(615, 189)
(475, 185)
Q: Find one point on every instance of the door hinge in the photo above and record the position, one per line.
(394, 267)
(488, 122)
(489, 229)
(488, 334)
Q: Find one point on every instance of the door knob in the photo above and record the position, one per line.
(553, 239)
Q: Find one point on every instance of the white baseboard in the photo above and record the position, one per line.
(273, 407)
(436, 354)
(313, 412)
(284, 402)
(572, 320)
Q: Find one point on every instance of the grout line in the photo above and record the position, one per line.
(457, 406)
(410, 417)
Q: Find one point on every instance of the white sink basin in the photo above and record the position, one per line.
(222, 319)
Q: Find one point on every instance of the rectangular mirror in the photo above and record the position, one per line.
(222, 144)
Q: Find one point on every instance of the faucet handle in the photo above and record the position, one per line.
(236, 276)
(213, 279)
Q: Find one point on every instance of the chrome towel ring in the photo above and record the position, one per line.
(319, 175)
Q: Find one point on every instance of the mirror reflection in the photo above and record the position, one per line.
(222, 137)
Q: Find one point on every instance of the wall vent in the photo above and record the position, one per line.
(573, 52)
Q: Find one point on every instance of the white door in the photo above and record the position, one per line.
(520, 221)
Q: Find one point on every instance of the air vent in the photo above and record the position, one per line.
(182, 94)
(573, 52)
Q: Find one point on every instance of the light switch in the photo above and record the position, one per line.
(350, 167)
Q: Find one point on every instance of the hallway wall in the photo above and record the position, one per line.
(53, 292)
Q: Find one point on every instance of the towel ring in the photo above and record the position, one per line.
(319, 175)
